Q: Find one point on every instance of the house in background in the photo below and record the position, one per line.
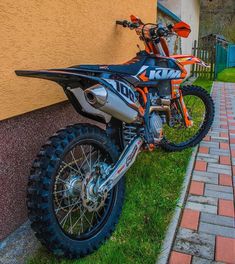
(187, 11)
(166, 17)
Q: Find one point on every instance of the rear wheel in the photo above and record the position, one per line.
(200, 107)
(67, 219)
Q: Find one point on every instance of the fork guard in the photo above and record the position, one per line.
(125, 161)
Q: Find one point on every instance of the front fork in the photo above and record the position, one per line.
(177, 95)
(184, 111)
(125, 161)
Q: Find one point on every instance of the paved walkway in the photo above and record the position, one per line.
(207, 231)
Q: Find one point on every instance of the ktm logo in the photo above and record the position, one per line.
(164, 74)
(152, 73)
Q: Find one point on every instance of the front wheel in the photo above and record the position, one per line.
(200, 107)
(67, 218)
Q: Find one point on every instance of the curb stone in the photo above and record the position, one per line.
(172, 228)
(176, 218)
(16, 248)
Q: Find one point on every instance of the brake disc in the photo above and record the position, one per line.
(91, 199)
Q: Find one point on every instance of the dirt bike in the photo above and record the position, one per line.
(76, 187)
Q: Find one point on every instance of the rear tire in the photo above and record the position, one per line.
(206, 125)
(40, 193)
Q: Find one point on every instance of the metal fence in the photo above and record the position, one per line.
(219, 55)
(221, 58)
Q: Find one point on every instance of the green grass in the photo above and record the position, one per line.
(227, 75)
(153, 185)
(152, 189)
(206, 84)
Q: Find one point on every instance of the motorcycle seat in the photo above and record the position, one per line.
(130, 68)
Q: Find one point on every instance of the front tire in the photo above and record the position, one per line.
(201, 97)
(43, 208)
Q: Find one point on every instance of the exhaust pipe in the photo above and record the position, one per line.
(107, 101)
(96, 96)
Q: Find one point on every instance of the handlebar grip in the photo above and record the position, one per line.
(123, 23)
(118, 22)
(126, 23)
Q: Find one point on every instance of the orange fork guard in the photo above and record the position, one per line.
(187, 121)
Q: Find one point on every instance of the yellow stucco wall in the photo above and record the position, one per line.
(59, 33)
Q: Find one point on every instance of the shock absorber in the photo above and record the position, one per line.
(129, 132)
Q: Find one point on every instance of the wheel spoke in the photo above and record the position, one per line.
(72, 154)
(80, 217)
(90, 155)
(67, 206)
(85, 157)
(70, 218)
(64, 220)
(98, 159)
(68, 165)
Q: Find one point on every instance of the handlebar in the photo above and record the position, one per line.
(155, 31)
(128, 24)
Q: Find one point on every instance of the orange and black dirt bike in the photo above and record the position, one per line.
(76, 187)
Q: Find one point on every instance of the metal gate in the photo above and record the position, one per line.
(231, 56)
(220, 58)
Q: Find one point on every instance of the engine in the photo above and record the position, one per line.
(156, 123)
(160, 108)
(113, 102)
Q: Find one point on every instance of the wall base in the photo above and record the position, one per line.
(17, 247)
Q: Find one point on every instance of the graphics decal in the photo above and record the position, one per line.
(154, 73)
(124, 90)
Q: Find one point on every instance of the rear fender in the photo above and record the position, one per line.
(73, 84)
(189, 60)
(64, 77)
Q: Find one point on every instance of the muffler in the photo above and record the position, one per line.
(107, 101)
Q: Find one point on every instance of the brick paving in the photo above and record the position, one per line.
(206, 233)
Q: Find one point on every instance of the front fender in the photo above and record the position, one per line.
(189, 60)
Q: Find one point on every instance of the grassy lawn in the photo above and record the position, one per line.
(152, 189)
(227, 75)
(206, 84)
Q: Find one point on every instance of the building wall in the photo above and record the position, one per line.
(174, 6)
(49, 34)
(174, 42)
(21, 139)
(189, 12)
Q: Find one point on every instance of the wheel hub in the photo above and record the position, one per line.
(91, 199)
(73, 186)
